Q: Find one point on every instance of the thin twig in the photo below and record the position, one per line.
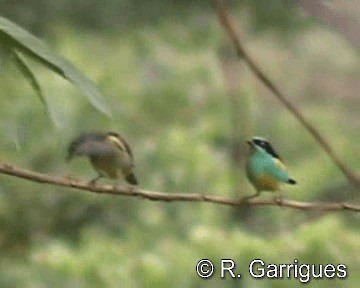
(170, 197)
(229, 27)
(342, 22)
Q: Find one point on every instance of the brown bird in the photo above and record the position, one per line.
(109, 154)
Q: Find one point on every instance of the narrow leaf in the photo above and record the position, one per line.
(29, 75)
(24, 68)
(4, 56)
(14, 35)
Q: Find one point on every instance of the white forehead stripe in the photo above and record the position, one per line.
(259, 138)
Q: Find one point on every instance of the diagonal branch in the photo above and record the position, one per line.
(338, 20)
(171, 197)
(229, 27)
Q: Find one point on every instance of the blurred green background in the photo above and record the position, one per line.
(186, 105)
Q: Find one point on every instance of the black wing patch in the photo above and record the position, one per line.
(123, 141)
(267, 147)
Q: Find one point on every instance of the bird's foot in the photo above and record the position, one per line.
(247, 198)
(116, 185)
(93, 181)
(278, 199)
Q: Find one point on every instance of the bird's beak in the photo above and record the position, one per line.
(249, 142)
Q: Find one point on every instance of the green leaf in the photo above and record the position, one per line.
(28, 74)
(4, 56)
(24, 68)
(14, 36)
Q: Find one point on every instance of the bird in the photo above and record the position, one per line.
(109, 154)
(264, 168)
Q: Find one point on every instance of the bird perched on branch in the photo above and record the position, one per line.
(109, 154)
(264, 168)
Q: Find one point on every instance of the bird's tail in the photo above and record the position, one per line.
(131, 179)
(291, 181)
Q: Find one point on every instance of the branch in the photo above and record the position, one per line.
(229, 27)
(170, 197)
(344, 24)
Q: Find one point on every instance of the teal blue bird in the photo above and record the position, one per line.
(264, 167)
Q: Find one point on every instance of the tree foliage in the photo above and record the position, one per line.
(18, 42)
(165, 85)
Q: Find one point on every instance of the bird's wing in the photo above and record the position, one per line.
(90, 148)
(121, 143)
(96, 148)
(279, 171)
(280, 165)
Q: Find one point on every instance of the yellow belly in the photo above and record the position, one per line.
(106, 168)
(267, 183)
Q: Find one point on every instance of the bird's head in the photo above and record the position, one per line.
(263, 144)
